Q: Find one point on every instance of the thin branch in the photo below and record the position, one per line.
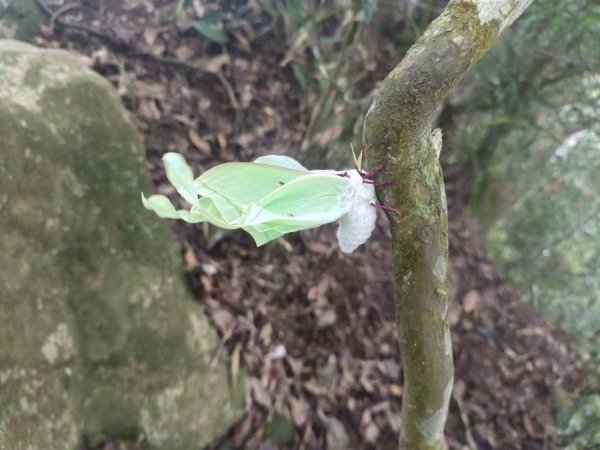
(398, 133)
(55, 19)
(457, 394)
(59, 12)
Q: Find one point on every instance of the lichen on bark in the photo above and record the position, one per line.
(398, 134)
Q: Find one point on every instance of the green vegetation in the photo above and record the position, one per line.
(529, 138)
(531, 147)
(547, 242)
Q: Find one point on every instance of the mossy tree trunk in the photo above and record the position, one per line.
(398, 133)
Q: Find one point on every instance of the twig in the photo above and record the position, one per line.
(61, 11)
(55, 19)
(228, 89)
(44, 7)
(168, 61)
(457, 393)
(92, 31)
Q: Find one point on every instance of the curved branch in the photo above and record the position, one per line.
(397, 133)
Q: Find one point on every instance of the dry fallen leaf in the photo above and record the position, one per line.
(235, 365)
(326, 318)
(224, 320)
(150, 34)
(191, 262)
(471, 300)
(315, 388)
(371, 432)
(222, 141)
(260, 394)
(298, 410)
(197, 141)
(213, 65)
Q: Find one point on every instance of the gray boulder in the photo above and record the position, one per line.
(98, 332)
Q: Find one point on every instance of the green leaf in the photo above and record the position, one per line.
(181, 176)
(499, 119)
(280, 429)
(300, 77)
(295, 9)
(237, 23)
(211, 30)
(269, 7)
(369, 9)
(182, 4)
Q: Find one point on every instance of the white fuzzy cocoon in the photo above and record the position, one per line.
(357, 225)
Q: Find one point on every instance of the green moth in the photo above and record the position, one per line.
(272, 196)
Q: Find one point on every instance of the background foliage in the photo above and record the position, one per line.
(529, 141)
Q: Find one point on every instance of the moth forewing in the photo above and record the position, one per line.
(244, 183)
(280, 161)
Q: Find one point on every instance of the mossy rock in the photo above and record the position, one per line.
(98, 331)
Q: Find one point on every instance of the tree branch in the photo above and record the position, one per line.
(397, 133)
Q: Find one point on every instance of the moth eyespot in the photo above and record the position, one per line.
(281, 183)
(290, 215)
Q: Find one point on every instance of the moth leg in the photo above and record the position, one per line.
(374, 172)
(386, 208)
(377, 183)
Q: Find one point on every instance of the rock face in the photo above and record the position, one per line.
(98, 332)
(19, 19)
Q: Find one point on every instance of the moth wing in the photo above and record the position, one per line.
(209, 209)
(280, 161)
(181, 176)
(163, 207)
(303, 203)
(244, 183)
(160, 205)
(262, 237)
(269, 231)
(318, 198)
(268, 198)
(220, 207)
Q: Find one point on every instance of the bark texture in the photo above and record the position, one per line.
(398, 133)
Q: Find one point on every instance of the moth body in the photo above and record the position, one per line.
(358, 223)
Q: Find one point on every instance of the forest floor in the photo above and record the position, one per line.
(313, 328)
